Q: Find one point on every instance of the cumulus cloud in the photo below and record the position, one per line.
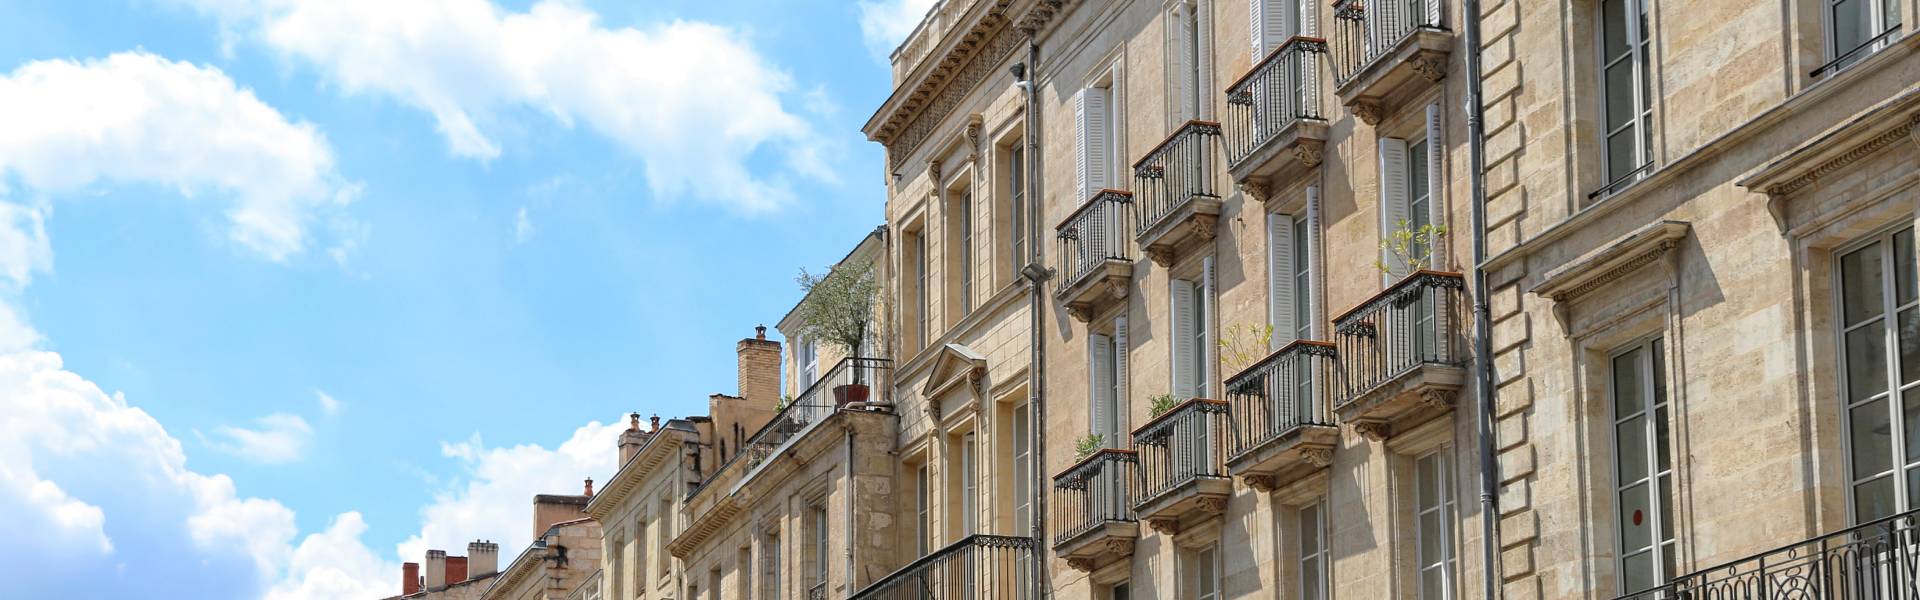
(495, 500)
(135, 117)
(694, 101)
(275, 439)
(329, 405)
(886, 23)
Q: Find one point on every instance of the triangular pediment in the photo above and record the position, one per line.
(952, 361)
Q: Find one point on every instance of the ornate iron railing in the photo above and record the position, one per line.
(1094, 492)
(1095, 233)
(1174, 173)
(818, 591)
(1879, 560)
(1873, 44)
(1366, 30)
(589, 589)
(978, 566)
(853, 379)
(1282, 89)
(1187, 443)
(1413, 323)
(1284, 391)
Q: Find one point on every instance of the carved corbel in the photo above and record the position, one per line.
(1368, 111)
(1080, 312)
(1161, 254)
(1084, 565)
(1437, 398)
(1164, 526)
(1777, 202)
(974, 123)
(1310, 154)
(1432, 68)
(1373, 430)
(1317, 457)
(1261, 483)
(1257, 191)
(1203, 225)
(1212, 505)
(1116, 288)
(1119, 546)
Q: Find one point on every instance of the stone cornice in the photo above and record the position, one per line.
(703, 528)
(1616, 260)
(658, 449)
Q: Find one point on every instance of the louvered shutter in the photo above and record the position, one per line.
(1098, 157)
(1182, 292)
(1269, 25)
(1121, 401)
(1081, 138)
(1280, 268)
(1436, 184)
(1100, 386)
(1189, 69)
(1393, 202)
(1309, 14)
(1314, 263)
(1206, 347)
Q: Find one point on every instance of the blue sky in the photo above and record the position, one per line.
(290, 288)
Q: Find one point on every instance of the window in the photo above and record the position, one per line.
(1203, 574)
(1272, 23)
(770, 566)
(1096, 147)
(1192, 336)
(662, 535)
(618, 560)
(917, 257)
(818, 517)
(1880, 362)
(1289, 273)
(960, 254)
(713, 584)
(923, 493)
(1643, 474)
(743, 562)
(1106, 365)
(639, 554)
(806, 353)
(1857, 28)
(1313, 553)
(1017, 206)
(969, 482)
(1433, 525)
(1185, 69)
(1022, 472)
(1626, 109)
(1120, 591)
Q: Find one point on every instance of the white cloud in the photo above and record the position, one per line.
(694, 101)
(522, 226)
(277, 438)
(134, 117)
(329, 405)
(886, 23)
(335, 564)
(496, 501)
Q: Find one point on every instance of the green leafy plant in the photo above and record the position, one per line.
(1088, 444)
(1159, 405)
(786, 400)
(1241, 345)
(839, 304)
(1410, 246)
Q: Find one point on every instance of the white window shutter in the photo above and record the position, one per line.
(1120, 402)
(1313, 262)
(1182, 293)
(1100, 385)
(1393, 201)
(1269, 25)
(1308, 12)
(1205, 350)
(1436, 183)
(1257, 27)
(1099, 155)
(1280, 268)
(1184, 36)
(1082, 136)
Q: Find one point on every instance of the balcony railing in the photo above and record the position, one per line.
(1186, 444)
(1366, 30)
(851, 380)
(979, 566)
(1093, 493)
(1099, 231)
(1176, 172)
(1879, 560)
(1287, 390)
(588, 590)
(818, 591)
(1282, 89)
(1407, 326)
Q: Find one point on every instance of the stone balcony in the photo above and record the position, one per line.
(1182, 478)
(1401, 354)
(1093, 510)
(1282, 419)
(1275, 125)
(1096, 258)
(977, 566)
(1176, 202)
(1387, 51)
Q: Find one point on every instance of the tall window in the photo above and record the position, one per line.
(1022, 472)
(917, 245)
(1121, 591)
(1313, 553)
(1106, 365)
(618, 562)
(969, 490)
(1856, 28)
(1017, 206)
(1302, 282)
(923, 492)
(743, 563)
(1272, 23)
(1203, 574)
(713, 583)
(1433, 525)
(770, 566)
(820, 558)
(960, 254)
(807, 354)
(1096, 124)
(1184, 61)
(640, 552)
(1880, 333)
(1626, 110)
(662, 534)
(1642, 470)
(1192, 336)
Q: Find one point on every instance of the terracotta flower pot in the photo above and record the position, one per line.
(852, 392)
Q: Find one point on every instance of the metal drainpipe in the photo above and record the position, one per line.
(852, 578)
(1036, 275)
(1482, 315)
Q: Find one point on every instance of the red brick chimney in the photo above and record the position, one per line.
(409, 578)
(456, 569)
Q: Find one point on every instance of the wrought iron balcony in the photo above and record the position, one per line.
(818, 591)
(1096, 258)
(1282, 417)
(1177, 199)
(852, 380)
(589, 589)
(1383, 45)
(979, 566)
(1181, 470)
(1400, 353)
(1274, 118)
(1879, 560)
(1093, 509)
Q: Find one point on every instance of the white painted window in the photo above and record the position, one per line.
(1313, 552)
(1203, 573)
(1857, 28)
(1880, 362)
(963, 225)
(969, 487)
(1192, 345)
(1433, 525)
(1093, 141)
(1022, 472)
(1626, 109)
(820, 538)
(1103, 402)
(807, 353)
(1285, 263)
(1017, 205)
(917, 243)
(1272, 22)
(1643, 473)
(1186, 71)
(923, 499)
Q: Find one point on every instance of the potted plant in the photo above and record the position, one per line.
(836, 309)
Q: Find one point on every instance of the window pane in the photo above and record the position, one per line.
(1426, 481)
(1909, 331)
(1433, 584)
(1613, 17)
(1623, 155)
(1626, 385)
(1309, 531)
(1849, 21)
(1860, 291)
(1639, 573)
(1873, 500)
(1432, 539)
(1631, 450)
(1619, 92)
(1872, 440)
(1666, 507)
(1903, 268)
(1866, 362)
(1636, 527)
(1660, 435)
(1310, 578)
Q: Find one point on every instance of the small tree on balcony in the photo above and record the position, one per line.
(838, 305)
(1411, 248)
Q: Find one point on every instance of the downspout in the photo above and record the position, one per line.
(853, 579)
(1482, 314)
(1036, 275)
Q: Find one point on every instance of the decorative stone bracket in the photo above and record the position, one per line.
(1620, 258)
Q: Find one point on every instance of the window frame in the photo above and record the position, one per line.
(1445, 509)
(1639, 48)
(1892, 389)
(1665, 545)
(1317, 530)
(1878, 35)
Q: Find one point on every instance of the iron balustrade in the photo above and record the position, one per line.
(1288, 389)
(589, 589)
(1282, 89)
(1185, 444)
(818, 591)
(978, 566)
(1174, 173)
(853, 379)
(1879, 560)
(1094, 492)
(1364, 31)
(1094, 234)
(1854, 55)
(1404, 327)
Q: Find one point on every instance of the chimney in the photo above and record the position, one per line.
(632, 439)
(456, 569)
(653, 423)
(760, 369)
(483, 558)
(589, 492)
(554, 508)
(409, 578)
(436, 569)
